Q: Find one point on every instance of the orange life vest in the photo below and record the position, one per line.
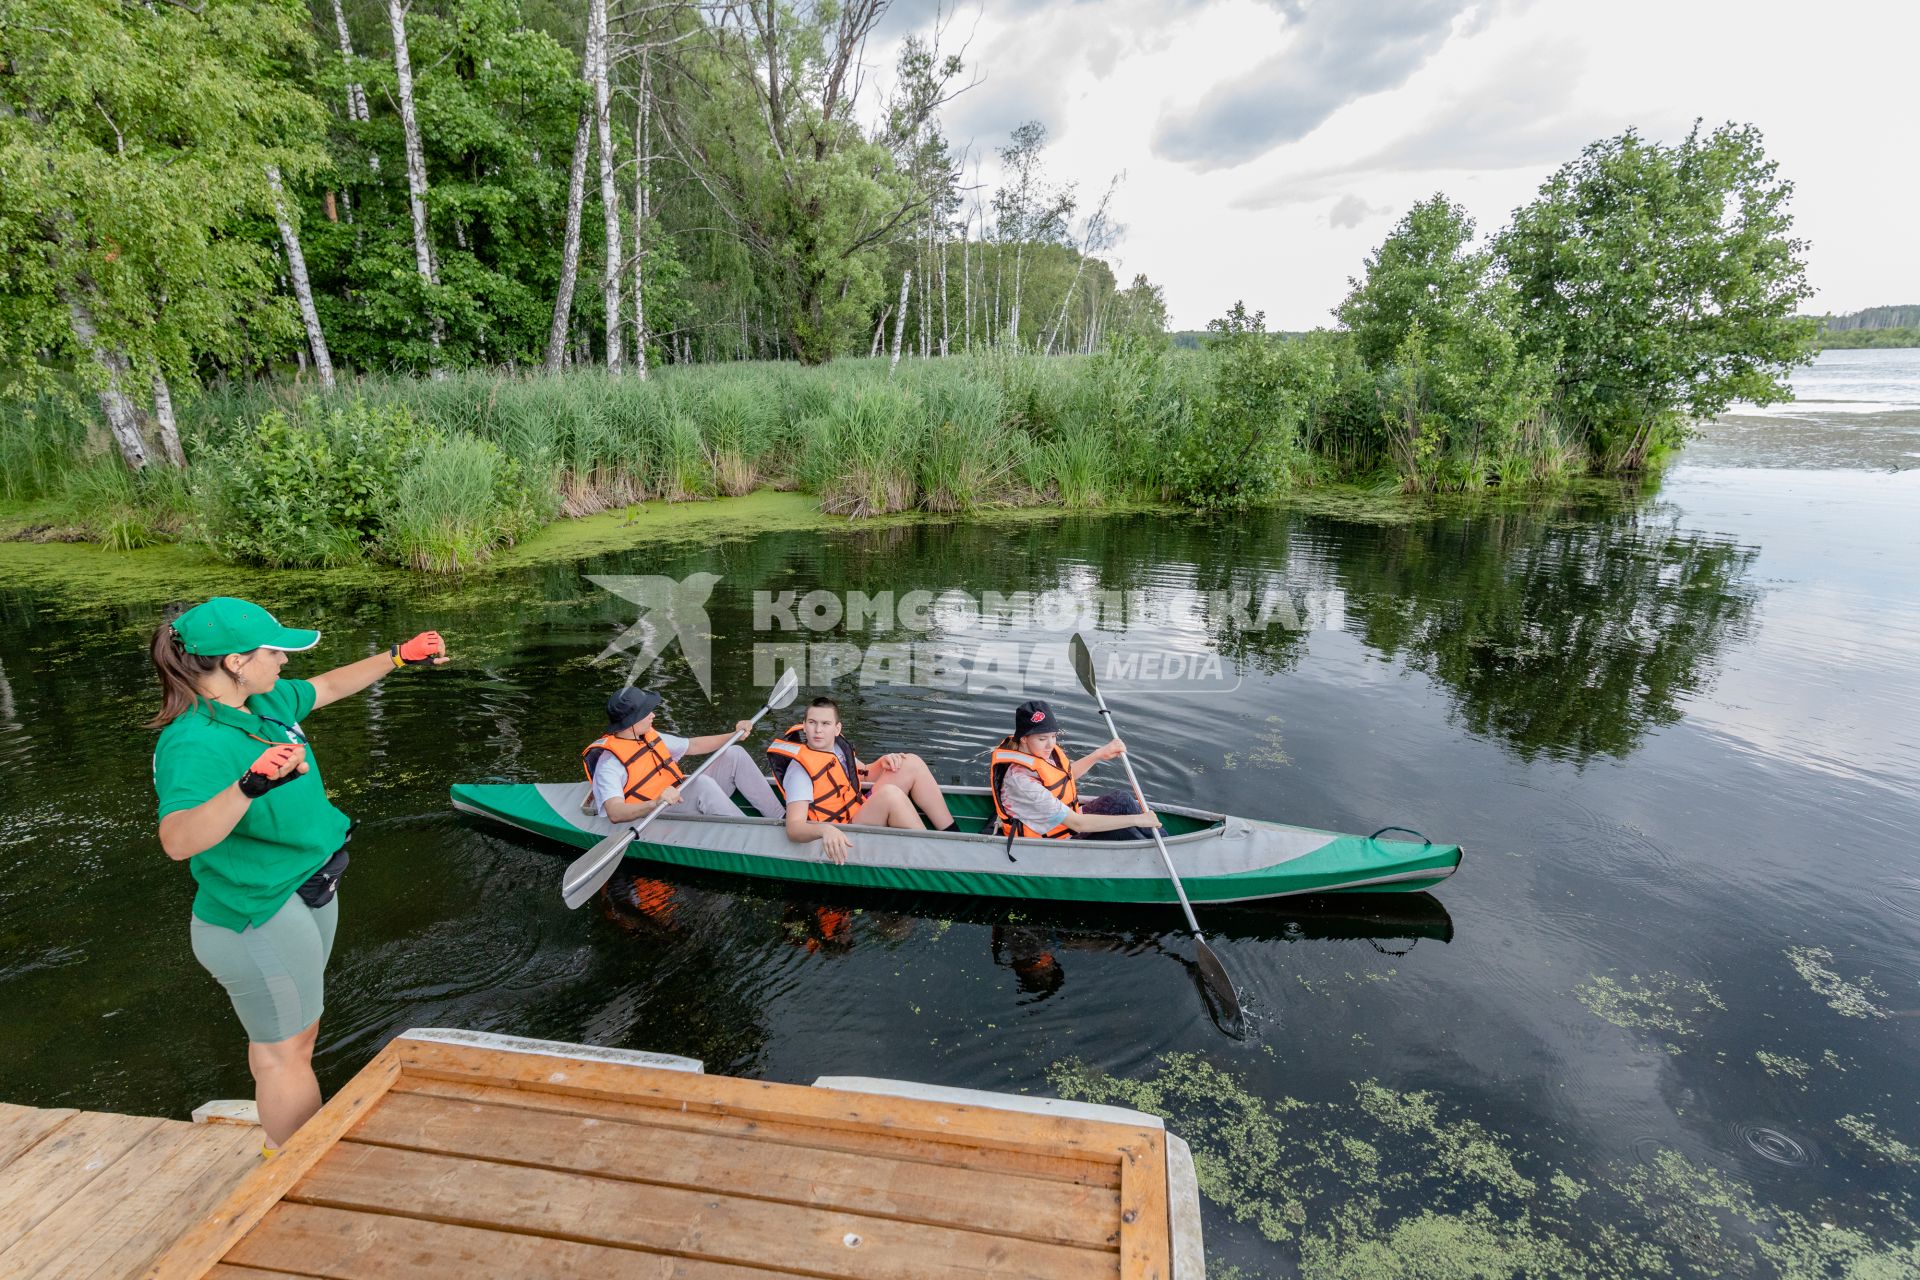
(1055, 774)
(650, 768)
(835, 794)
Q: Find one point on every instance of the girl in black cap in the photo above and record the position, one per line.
(1036, 788)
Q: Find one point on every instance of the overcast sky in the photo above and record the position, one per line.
(1269, 145)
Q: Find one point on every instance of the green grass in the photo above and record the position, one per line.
(498, 456)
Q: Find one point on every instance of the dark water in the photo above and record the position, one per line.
(1663, 1021)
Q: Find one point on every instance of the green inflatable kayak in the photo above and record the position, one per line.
(1219, 858)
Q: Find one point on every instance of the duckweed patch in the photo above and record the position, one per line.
(1863, 1130)
(1659, 1002)
(1784, 1064)
(1391, 1185)
(1267, 750)
(1848, 999)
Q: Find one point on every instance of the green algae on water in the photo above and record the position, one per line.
(1877, 1140)
(1266, 751)
(1786, 1065)
(1848, 999)
(1389, 1186)
(1659, 1002)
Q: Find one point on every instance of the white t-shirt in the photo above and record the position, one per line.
(797, 783)
(1027, 798)
(610, 776)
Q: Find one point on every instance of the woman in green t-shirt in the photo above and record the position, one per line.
(242, 804)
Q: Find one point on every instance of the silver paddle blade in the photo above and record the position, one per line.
(593, 868)
(1083, 664)
(783, 690)
(1223, 1002)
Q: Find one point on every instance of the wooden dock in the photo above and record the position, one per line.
(457, 1154)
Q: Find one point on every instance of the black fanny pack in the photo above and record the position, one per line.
(319, 888)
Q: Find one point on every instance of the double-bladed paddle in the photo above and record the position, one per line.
(1222, 1000)
(595, 867)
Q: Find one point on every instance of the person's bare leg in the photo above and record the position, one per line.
(888, 806)
(917, 781)
(285, 1090)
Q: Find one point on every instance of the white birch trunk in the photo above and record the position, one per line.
(642, 209)
(900, 320)
(966, 284)
(1013, 324)
(416, 162)
(879, 332)
(946, 332)
(123, 419)
(570, 246)
(164, 419)
(302, 287)
(609, 194)
(356, 94)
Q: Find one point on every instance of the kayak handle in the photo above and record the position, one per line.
(1409, 830)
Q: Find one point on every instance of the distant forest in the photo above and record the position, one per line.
(1874, 327)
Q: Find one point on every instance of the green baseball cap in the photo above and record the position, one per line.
(226, 625)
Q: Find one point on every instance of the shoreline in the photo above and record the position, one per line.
(111, 575)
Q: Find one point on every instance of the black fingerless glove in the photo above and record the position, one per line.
(254, 785)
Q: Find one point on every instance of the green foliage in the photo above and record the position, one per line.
(134, 141)
(1240, 447)
(1434, 324)
(1662, 283)
(313, 492)
(1856, 339)
(455, 504)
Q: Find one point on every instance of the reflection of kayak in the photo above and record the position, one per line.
(1220, 858)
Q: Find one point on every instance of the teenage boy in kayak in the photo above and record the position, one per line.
(1036, 788)
(821, 776)
(635, 770)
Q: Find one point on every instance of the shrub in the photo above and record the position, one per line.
(308, 493)
(1240, 447)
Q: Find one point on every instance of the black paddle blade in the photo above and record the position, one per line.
(1223, 1002)
(1083, 664)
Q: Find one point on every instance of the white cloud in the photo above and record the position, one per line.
(1241, 186)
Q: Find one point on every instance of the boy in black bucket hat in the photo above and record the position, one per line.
(1036, 788)
(633, 769)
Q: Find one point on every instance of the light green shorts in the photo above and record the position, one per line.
(275, 973)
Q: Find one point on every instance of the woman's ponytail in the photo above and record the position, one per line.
(180, 673)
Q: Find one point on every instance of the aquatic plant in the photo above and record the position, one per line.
(1659, 1002)
(1848, 999)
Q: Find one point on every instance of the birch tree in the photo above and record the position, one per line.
(1099, 236)
(1028, 208)
(642, 196)
(356, 93)
(597, 38)
(570, 242)
(302, 286)
(416, 167)
(900, 321)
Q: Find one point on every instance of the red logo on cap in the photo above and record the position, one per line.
(1038, 716)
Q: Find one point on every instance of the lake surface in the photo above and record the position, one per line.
(1663, 1021)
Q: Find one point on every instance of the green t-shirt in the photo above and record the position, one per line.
(284, 836)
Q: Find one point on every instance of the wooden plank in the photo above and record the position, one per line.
(373, 1246)
(57, 1167)
(1146, 1245)
(227, 1271)
(203, 1244)
(830, 1108)
(209, 1166)
(22, 1127)
(703, 1225)
(1000, 1203)
(1086, 1169)
(89, 1223)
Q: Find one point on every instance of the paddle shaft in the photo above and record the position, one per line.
(1158, 842)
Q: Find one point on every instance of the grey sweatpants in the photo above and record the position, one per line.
(732, 770)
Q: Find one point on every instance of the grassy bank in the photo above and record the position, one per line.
(442, 475)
